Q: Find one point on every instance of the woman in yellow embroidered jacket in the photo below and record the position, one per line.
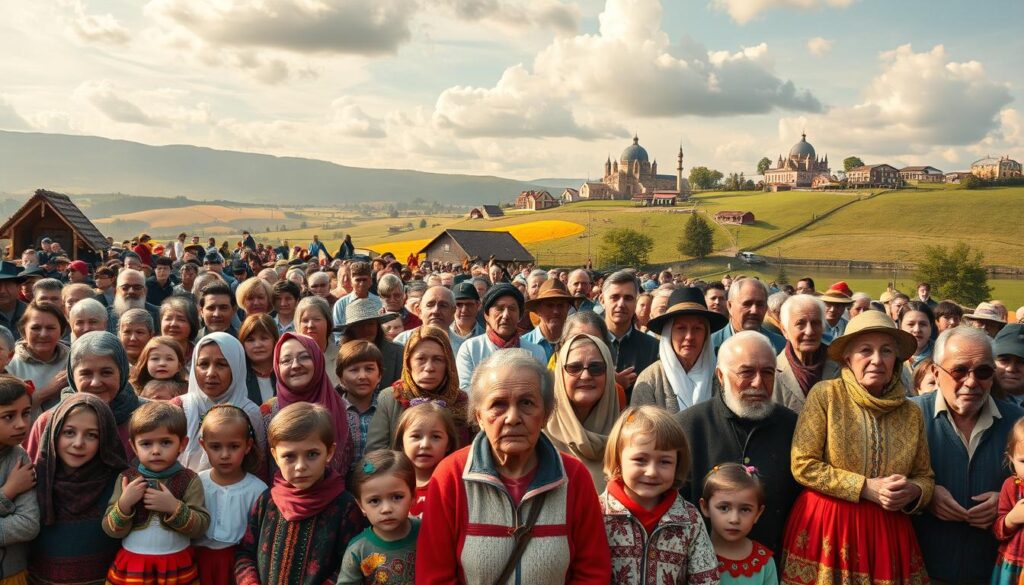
(860, 449)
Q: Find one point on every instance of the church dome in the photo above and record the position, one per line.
(802, 149)
(634, 152)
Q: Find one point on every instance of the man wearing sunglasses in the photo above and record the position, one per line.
(967, 433)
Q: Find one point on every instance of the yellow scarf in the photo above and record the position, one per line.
(891, 398)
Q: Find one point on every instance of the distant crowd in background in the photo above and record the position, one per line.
(191, 412)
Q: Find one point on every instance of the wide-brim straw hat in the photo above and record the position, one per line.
(552, 290)
(872, 322)
(986, 312)
(366, 309)
(688, 300)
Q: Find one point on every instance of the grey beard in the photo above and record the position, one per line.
(746, 410)
(122, 304)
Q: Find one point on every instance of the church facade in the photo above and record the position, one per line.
(633, 175)
(800, 168)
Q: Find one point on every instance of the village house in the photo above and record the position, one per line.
(570, 195)
(458, 245)
(486, 212)
(880, 175)
(735, 217)
(923, 174)
(955, 177)
(535, 201)
(53, 215)
(994, 169)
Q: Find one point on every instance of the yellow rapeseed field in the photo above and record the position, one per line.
(526, 233)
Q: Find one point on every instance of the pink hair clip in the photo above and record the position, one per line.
(750, 469)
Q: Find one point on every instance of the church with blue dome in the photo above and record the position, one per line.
(800, 168)
(633, 176)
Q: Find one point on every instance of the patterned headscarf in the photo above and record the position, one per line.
(407, 393)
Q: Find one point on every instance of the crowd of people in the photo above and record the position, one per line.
(189, 413)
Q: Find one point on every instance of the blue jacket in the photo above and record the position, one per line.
(956, 552)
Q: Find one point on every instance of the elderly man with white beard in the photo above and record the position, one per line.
(130, 293)
(743, 425)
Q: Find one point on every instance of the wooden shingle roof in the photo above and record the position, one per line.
(484, 244)
(71, 214)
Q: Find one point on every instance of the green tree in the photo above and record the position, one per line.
(698, 239)
(423, 223)
(781, 277)
(957, 273)
(763, 165)
(704, 178)
(851, 162)
(625, 247)
(971, 182)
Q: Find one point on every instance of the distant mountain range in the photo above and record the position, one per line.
(89, 164)
(558, 184)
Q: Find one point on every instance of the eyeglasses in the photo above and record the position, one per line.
(959, 374)
(748, 375)
(303, 358)
(575, 369)
(131, 287)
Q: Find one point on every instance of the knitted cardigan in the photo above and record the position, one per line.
(275, 551)
(466, 534)
(190, 519)
(19, 518)
(677, 551)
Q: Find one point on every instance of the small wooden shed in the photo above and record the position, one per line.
(53, 215)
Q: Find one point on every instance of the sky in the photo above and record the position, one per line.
(525, 88)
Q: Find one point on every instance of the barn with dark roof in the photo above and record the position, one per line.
(458, 245)
(53, 215)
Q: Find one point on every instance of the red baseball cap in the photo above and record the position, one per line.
(80, 266)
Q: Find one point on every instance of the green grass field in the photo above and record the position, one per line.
(896, 225)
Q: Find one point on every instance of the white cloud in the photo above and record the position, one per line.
(95, 28)
(917, 104)
(157, 108)
(302, 26)
(105, 98)
(518, 14)
(743, 11)
(629, 68)
(349, 119)
(819, 46)
(10, 119)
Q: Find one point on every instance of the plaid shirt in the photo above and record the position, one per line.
(361, 421)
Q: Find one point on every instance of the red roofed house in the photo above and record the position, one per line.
(535, 200)
(735, 217)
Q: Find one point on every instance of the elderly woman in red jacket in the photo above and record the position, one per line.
(512, 475)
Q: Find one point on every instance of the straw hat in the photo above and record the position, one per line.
(872, 322)
(837, 295)
(986, 312)
(688, 301)
(366, 309)
(552, 290)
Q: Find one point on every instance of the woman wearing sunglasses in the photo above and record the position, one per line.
(684, 374)
(586, 404)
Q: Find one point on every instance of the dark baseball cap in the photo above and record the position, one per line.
(465, 291)
(1009, 341)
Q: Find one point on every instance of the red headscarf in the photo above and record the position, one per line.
(319, 391)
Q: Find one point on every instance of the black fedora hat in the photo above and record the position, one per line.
(10, 271)
(688, 300)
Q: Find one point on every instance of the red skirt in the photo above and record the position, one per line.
(216, 565)
(171, 569)
(829, 540)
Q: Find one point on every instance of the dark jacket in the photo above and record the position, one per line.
(392, 369)
(155, 294)
(636, 350)
(252, 385)
(956, 552)
(716, 435)
(12, 325)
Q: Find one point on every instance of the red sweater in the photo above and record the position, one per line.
(465, 533)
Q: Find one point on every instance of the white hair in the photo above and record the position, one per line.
(126, 272)
(725, 353)
(318, 276)
(970, 333)
(538, 273)
(738, 285)
(776, 300)
(89, 309)
(801, 302)
(512, 360)
(861, 296)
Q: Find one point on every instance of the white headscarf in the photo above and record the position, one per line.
(196, 403)
(690, 387)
